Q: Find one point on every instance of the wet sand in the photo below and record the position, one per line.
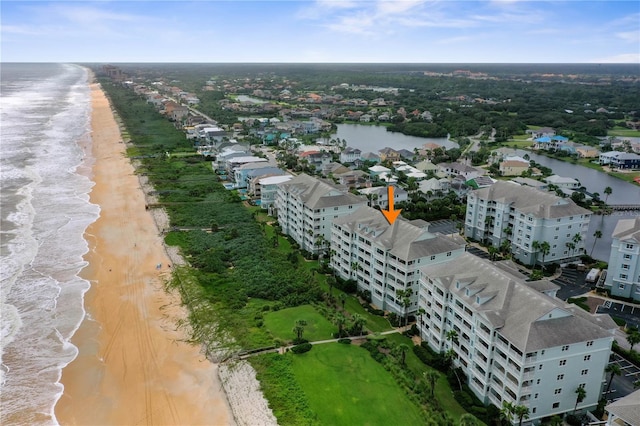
(133, 366)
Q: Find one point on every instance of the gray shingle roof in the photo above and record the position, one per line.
(540, 204)
(402, 239)
(627, 229)
(319, 193)
(520, 312)
(627, 408)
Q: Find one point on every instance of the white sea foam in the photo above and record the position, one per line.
(46, 210)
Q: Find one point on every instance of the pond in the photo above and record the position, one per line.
(371, 138)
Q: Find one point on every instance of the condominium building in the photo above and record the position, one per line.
(623, 274)
(513, 339)
(506, 211)
(306, 207)
(385, 258)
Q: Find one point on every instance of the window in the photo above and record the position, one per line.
(556, 404)
(535, 396)
(563, 362)
(557, 391)
(538, 382)
(584, 372)
(623, 276)
(448, 253)
(590, 343)
(533, 410)
(587, 357)
(629, 246)
(433, 258)
(627, 257)
(565, 348)
(560, 377)
(625, 266)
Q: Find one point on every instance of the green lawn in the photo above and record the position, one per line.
(345, 386)
(281, 323)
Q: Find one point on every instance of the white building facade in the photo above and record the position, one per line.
(522, 215)
(306, 208)
(623, 273)
(514, 341)
(384, 259)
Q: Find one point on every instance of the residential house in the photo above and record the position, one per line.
(306, 208)
(524, 215)
(379, 196)
(389, 154)
(514, 341)
(531, 182)
(350, 155)
(563, 182)
(352, 178)
(585, 151)
(625, 160)
(333, 169)
(434, 186)
(513, 167)
(384, 258)
(605, 157)
(458, 169)
(623, 275)
(370, 156)
(426, 166)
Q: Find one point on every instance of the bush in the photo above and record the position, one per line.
(297, 341)
(300, 349)
(573, 420)
(345, 341)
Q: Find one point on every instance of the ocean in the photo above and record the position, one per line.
(45, 172)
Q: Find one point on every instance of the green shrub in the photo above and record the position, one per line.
(345, 341)
(302, 348)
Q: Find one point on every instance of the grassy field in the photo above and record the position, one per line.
(345, 386)
(281, 323)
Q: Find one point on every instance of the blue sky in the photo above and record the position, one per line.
(418, 31)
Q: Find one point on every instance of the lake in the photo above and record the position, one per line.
(374, 138)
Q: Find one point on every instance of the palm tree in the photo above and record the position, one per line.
(405, 300)
(597, 235)
(298, 329)
(535, 246)
(633, 338)
(343, 299)
(521, 412)
(614, 370)
(507, 411)
(403, 348)
(340, 321)
(607, 191)
(358, 323)
(581, 395)
(432, 377)
(545, 248)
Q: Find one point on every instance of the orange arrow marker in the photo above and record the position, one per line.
(391, 214)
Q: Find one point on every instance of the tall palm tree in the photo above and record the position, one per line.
(545, 248)
(535, 246)
(521, 412)
(581, 394)
(607, 191)
(633, 338)
(358, 323)
(432, 377)
(577, 238)
(403, 348)
(340, 321)
(597, 235)
(507, 411)
(614, 370)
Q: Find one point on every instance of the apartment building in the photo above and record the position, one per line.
(522, 215)
(306, 207)
(623, 274)
(385, 258)
(513, 339)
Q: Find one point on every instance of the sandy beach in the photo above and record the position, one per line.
(133, 366)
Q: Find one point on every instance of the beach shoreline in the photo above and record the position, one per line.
(133, 365)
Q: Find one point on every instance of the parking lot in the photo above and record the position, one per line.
(628, 313)
(572, 284)
(621, 385)
(444, 226)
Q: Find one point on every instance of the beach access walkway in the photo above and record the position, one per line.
(284, 349)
